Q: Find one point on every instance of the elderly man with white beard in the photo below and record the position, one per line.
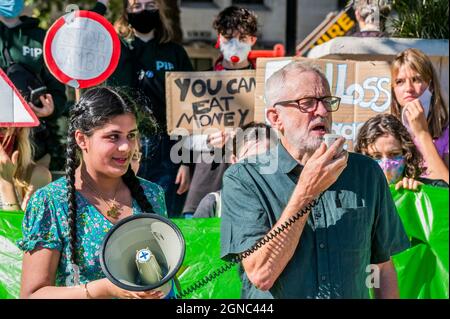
(346, 225)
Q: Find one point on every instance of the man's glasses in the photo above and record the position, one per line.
(309, 104)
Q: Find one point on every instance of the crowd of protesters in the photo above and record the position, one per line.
(118, 163)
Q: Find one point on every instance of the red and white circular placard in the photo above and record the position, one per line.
(81, 49)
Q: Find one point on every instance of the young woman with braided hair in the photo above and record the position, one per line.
(66, 221)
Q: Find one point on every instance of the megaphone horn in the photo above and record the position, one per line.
(143, 252)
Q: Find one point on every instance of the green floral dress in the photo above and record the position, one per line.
(45, 225)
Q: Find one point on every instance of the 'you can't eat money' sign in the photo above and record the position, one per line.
(81, 49)
(213, 99)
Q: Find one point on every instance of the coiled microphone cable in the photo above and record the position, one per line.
(263, 241)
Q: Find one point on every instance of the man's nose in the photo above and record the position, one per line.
(321, 109)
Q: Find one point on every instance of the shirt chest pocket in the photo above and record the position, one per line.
(353, 228)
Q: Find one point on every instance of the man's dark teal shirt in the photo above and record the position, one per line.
(354, 225)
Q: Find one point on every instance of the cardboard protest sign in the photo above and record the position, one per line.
(213, 99)
(334, 25)
(81, 49)
(364, 89)
(14, 110)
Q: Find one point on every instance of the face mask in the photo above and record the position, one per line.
(425, 101)
(144, 21)
(393, 168)
(11, 8)
(235, 51)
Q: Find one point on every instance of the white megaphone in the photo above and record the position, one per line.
(143, 252)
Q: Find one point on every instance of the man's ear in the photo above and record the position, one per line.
(253, 40)
(274, 118)
(81, 140)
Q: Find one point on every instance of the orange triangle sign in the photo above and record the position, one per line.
(14, 110)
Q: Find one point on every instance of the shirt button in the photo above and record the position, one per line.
(322, 245)
(323, 278)
(318, 215)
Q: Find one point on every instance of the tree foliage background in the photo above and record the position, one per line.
(426, 19)
(50, 10)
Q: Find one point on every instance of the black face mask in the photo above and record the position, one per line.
(144, 21)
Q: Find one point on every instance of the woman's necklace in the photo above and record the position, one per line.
(114, 209)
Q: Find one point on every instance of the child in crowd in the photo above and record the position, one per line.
(253, 139)
(236, 34)
(386, 140)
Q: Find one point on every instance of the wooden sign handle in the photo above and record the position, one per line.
(77, 95)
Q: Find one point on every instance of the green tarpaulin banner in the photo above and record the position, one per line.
(422, 270)
(10, 255)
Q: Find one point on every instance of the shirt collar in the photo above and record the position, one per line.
(285, 161)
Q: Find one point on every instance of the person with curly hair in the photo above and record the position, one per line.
(386, 140)
(236, 31)
(65, 222)
(417, 101)
(236, 35)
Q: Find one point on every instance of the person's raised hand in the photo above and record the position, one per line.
(322, 169)
(183, 179)
(416, 117)
(220, 138)
(408, 183)
(47, 106)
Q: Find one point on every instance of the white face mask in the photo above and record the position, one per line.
(425, 101)
(235, 51)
